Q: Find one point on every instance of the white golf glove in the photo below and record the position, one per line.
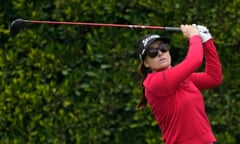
(204, 33)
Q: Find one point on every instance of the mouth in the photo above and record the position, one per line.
(162, 59)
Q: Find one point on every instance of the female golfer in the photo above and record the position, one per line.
(174, 92)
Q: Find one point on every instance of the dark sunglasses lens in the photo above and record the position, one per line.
(163, 48)
(153, 52)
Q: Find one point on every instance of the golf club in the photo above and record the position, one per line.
(18, 24)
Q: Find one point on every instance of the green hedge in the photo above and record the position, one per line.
(75, 84)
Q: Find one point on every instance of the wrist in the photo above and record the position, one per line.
(195, 35)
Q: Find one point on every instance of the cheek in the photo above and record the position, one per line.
(150, 63)
(170, 58)
(168, 55)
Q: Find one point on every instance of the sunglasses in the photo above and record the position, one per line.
(153, 52)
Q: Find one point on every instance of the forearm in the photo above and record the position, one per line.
(213, 65)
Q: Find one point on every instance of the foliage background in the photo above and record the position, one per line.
(66, 84)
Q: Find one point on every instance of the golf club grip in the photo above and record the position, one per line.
(172, 28)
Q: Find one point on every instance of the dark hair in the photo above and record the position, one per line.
(143, 71)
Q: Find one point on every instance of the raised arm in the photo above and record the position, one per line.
(166, 81)
(212, 75)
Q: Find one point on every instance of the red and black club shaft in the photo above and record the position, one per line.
(18, 24)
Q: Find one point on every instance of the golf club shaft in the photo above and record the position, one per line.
(19, 24)
(106, 25)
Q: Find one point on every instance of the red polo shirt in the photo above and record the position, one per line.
(175, 98)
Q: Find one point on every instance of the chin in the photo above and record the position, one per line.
(161, 69)
(165, 67)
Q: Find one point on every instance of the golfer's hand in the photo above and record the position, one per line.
(204, 33)
(189, 31)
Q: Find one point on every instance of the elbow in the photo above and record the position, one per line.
(219, 77)
(218, 80)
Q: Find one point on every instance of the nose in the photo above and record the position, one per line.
(159, 52)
